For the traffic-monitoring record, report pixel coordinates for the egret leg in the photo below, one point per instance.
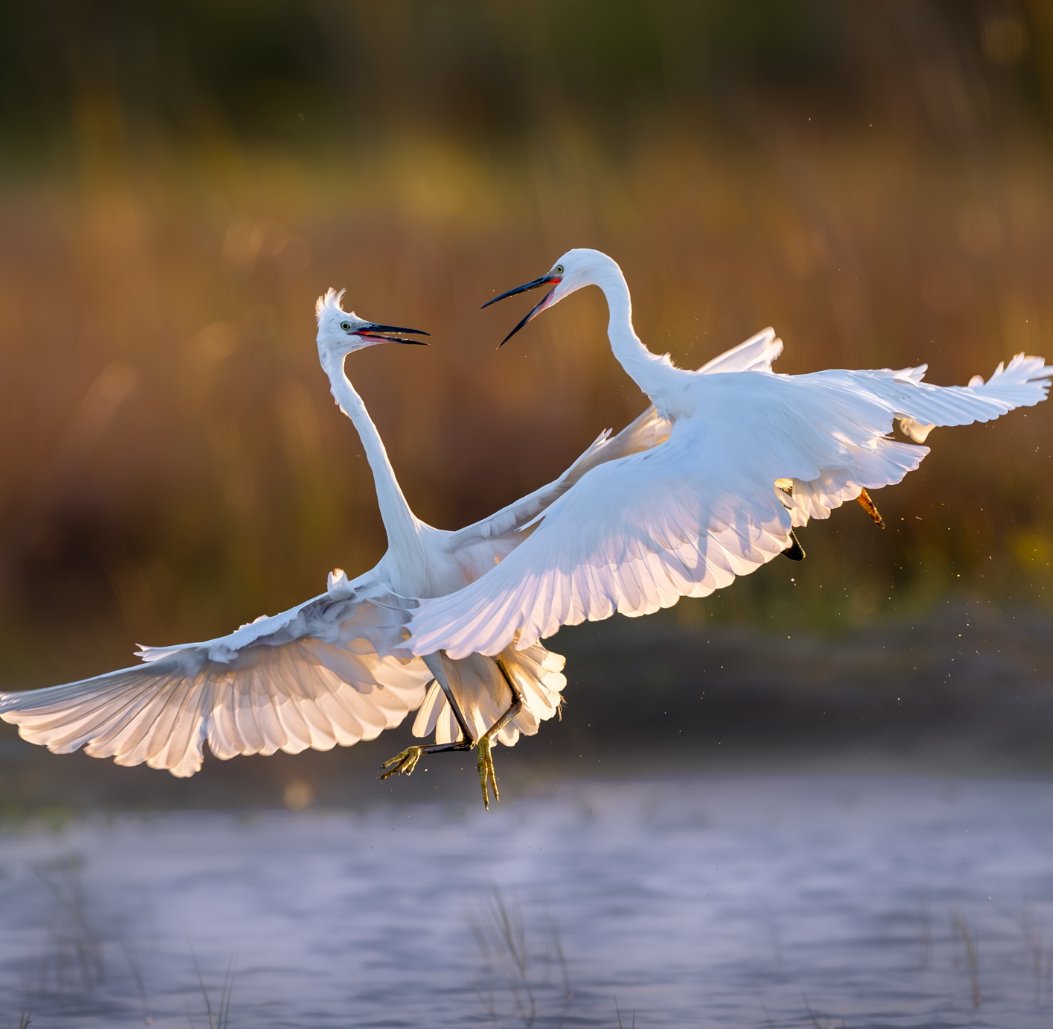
(406, 760)
(487, 776)
(485, 761)
(795, 552)
(870, 507)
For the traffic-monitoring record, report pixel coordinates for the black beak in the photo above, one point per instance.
(545, 280)
(373, 330)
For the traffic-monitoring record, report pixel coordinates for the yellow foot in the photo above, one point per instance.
(870, 507)
(403, 763)
(487, 775)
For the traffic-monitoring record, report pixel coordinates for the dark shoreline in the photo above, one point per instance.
(966, 691)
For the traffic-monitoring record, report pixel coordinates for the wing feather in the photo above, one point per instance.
(316, 676)
(919, 406)
(757, 353)
(717, 498)
(632, 536)
(491, 538)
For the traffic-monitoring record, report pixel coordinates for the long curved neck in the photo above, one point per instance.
(400, 523)
(643, 367)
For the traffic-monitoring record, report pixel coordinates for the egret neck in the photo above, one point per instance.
(653, 373)
(401, 525)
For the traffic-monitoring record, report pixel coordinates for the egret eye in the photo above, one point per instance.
(346, 326)
(558, 270)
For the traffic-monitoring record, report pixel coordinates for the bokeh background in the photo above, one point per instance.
(817, 798)
(179, 183)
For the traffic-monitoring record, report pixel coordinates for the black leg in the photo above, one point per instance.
(795, 552)
(406, 761)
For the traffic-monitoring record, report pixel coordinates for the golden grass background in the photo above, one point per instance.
(873, 181)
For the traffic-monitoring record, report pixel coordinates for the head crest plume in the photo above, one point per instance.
(329, 302)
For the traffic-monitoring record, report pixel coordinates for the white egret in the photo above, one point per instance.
(330, 670)
(745, 456)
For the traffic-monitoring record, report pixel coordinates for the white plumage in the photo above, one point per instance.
(314, 676)
(330, 671)
(737, 456)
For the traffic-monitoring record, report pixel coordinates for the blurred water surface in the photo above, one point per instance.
(717, 900)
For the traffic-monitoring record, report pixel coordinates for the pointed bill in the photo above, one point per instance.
(382, 333)
(545, 280)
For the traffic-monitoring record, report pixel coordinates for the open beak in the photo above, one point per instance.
(381, 333)
(545, 280)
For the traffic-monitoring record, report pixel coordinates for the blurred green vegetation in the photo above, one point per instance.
(180, 181)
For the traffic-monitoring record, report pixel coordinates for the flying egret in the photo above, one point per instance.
(332, 669)
(745, 456)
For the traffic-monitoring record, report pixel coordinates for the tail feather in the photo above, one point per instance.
(483, 695)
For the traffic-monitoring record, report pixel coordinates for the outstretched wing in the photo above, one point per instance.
(633, 535)
(316, 676)
(711, 503)
(504, 529)
(920, 406)
(479, 546)
(870, 399)
(755, 354)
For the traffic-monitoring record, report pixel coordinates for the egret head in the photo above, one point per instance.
(342, 332)
(576, 268)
